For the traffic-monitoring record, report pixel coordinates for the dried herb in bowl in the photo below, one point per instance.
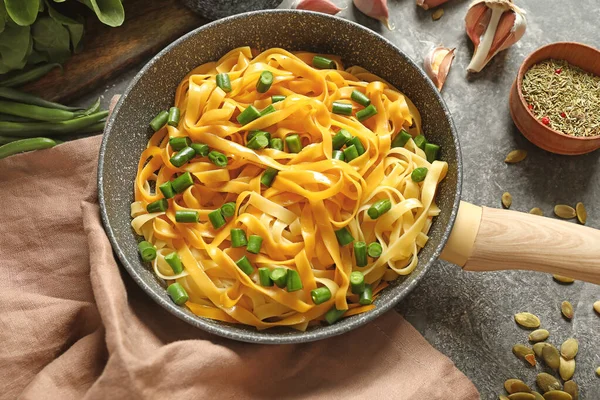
(563, 97)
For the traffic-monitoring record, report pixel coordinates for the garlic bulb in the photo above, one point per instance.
(493, 26)
(437, 65)
(377, 9)
(323, 6)
(427, 4)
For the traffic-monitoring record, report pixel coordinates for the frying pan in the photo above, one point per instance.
(482, 239)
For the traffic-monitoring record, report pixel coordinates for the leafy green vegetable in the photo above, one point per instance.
(74, 27)
(109, 12)
(14, 45)
(3, 16)
(52, 39)
(22, 12)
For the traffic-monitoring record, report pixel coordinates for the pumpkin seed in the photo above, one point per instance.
(506, 200)
(569, 348)
(597, 306)
(515, 156)
(557, 395)
(581, 213)
(572, 388)
(551, 356)
(538, 335)
(564, 211)
(515, 385)
(527, 320)
(437, 14)
(598, 371)
(503, 397)
(547, 382)
(524, 353)
(566, 369)
(563, 279)
(537, 396)
(537, 348)
(536, 211)
(567, 309)
(521, 396)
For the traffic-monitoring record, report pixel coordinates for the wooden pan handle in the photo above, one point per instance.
(489, 239)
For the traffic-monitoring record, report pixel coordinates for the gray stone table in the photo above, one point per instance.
(469, 316)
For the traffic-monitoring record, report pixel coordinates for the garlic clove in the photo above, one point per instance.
(437, 65)
(493, 26)
(427, 4)
(377, 9)
(323, 6)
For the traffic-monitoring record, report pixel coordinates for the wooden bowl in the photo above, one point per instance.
(580, 55)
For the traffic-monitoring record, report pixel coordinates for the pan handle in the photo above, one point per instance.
(489, 239)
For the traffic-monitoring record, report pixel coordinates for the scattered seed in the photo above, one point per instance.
(515, 385)
(536, 211)
(515, 156)
(527, 320)
(563, 279)
(564, 211)
(538, 347)
(551, 356)
(547, 382)
(572, 388)
(598, 371)
(597, 306)
(557, 395)
(567, 309)
(530, 358)
(569, 348)
(437, 14)
(537, 396)
(581, 213)
(522, 351)
(566, 369)
(503, 397)
(538, 335)
(521, 396)
(506, 200)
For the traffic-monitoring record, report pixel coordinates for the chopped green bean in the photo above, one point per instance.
(366, 113)
(431, 151)
(174, 115)
(245, 265)
(357, 282)
(23, 145)
(360, 98)
(418, 174)
(323, 63)
(201, 149)
(177, 293)
(360, 149)
(341, 108)
(360, 253)
(248, 115)
(320, 295)
(147, 251)
(420, 141)
(338, 155)
(264, 276)
(254, 244)
(267, 110)
(158, 206)
(178, 143)
(366, 297)
(217, 158)
(401, 139)
(258, 142)
(350, 153)
(279, 277)
(268, 176)
(264, 82)
(252, 134)
(379, 208)
(294, 282)
(238, 237)
(223, 82)
(182, 182)
(228, 209)
(167, 190)
(276, 143)
(187, 216)
(340, 139)
(159, 121)
(174, 262)
(293, 143)
(216, 219)
(277, 98)
(374, 249)
(333, 315)
(344, 236)
(182, 156)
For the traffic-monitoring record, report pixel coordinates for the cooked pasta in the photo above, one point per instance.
(303, 219)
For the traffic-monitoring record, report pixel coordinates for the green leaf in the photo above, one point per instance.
(75, 27)
(76, 32)
(109, 12)
(14, 45)
(51, 38)
(3, 16)
(23, 12)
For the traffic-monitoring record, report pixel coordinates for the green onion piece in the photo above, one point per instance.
(293, 142)
(276, 143)
(279, 276)
(264, 276)
(360, 254)
(158, 206)
(431, 151)
(360, 149)
(264, 82)
(401, 139)
(182, 182)
(183, 156)
(268, 176)
(174, 115)
(320, 295)
(174, 262)
(254, 244)
(277, 98)
(159, 121)
(350, 153)
(228, 209)
(258, 142)
(201, 149)
(366, 113)
(238, 237)
(218, 158)
(357, 282)
(294, 283)
(167, 190)
(147, 251)
(420, 141)
(186, 216)
(338, 155)
(252, 134)
(248, 115)
(419, 174)
(333, 315)
(360, 98)
(178, 143)
(374, 249)
(177, 293)
(323, 63)
(340, 139)
(379, 208)
(366, 297)
(216, 219)
(344, 236)
(341, 108)
(223, 82)
(245, 265)
(267, 110)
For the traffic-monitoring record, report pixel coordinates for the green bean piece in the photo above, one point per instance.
(341, 108)
(187, 216)
(360, 149)
(178, 143)
(420, 141)
(419, 174)
(182, 182)
(159, 121)
(22, 97)
(294, 283)
(357, 282)
(279, 277)
(258, 142)
(30, 75)
(374, 249)
(23, 145)
(147, 251)
(167, 190)
(277, 98)
(238, 237)
(366, 113)
(217, 158)
(177, 293)
(268, 176)
(379, 208)
(360, 98)
(360, 254)
(401, 139)
(29, 129)
(223, 82)
(94, 108)
(366, 297)
(293, 143)
(267, 110)
(338, 155)
(431, 152)
(264, 82)
(201, 149)
(228, 209)
(254, 244)
(158, 206)
(350, 153)
(35, 112)
(276, 143)
(93, 128)
(320, 295)
(14, 118)
(174, 262)
(174, 114)
(216, 219)
(182, 156)
(323, 63)
(340, 139)
(264, 276)
(254, 133)
(248, 115)
(333, 315)
(245, 265)
(344, 236)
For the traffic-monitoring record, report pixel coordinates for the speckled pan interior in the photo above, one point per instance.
(153, 90)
